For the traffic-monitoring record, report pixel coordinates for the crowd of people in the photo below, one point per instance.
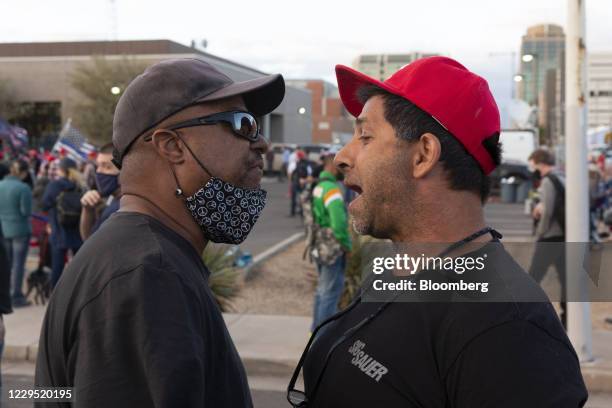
(53, 202)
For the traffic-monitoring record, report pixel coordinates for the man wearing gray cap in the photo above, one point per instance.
(132, 322)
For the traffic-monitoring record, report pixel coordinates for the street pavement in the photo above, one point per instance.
(510, 220)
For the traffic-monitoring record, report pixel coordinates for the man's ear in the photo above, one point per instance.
(427, 151)
(168, 146)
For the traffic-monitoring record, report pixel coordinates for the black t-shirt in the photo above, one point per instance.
(133, 323)
(450, 354)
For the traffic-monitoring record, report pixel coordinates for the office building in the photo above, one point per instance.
(600, 89)
(331, 123)
(382, 66)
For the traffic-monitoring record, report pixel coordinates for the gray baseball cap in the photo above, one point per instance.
(170, 86)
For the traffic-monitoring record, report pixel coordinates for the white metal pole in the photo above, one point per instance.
(577, 195)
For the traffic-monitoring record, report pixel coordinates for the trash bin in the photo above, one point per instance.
(522, 191)
(508, 190)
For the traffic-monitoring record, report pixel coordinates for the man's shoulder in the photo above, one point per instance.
(129, 240)
(513, 296)
(126, 248)
(123, 243)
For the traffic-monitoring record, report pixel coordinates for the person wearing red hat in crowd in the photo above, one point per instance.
(425, 141)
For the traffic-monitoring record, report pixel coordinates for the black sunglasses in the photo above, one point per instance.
(242, 123)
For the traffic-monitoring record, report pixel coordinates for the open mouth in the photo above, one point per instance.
(354, 187)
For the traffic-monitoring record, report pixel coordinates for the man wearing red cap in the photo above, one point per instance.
(425, 141)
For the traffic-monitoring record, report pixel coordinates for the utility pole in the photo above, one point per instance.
(576, 190)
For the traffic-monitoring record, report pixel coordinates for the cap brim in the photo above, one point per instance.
(349, 82)
(261, 95)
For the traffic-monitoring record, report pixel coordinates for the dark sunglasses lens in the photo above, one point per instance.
(246, 126)
(297, 398)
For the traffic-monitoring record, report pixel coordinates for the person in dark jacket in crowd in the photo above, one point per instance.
(63, 237)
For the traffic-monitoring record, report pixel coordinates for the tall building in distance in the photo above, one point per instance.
(542, 69)
(382, 66)
(331, 123)
(600, 89)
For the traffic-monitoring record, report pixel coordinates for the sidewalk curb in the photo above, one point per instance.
(20, 353)
(270, 252)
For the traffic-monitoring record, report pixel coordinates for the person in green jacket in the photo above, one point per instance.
(15, 214)
(332, 241)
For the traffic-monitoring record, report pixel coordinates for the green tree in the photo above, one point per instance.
(95, 80)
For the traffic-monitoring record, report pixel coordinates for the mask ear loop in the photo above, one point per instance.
(179, 190)
(179, 193)
(192, 155)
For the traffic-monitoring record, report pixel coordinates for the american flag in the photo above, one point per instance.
(16, 136)
(74, 143)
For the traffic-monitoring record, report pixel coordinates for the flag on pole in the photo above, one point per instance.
(73, 143)
(16, 137)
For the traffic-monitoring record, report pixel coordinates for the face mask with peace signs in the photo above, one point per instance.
(224, 212)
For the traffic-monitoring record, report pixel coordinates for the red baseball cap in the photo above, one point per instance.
(455, 97)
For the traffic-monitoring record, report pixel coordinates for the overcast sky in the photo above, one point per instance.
(307, 38)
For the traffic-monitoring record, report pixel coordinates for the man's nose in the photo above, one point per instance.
(261, 145)
(343, 160)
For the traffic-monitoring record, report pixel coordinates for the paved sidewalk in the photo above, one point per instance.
(271, 345)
